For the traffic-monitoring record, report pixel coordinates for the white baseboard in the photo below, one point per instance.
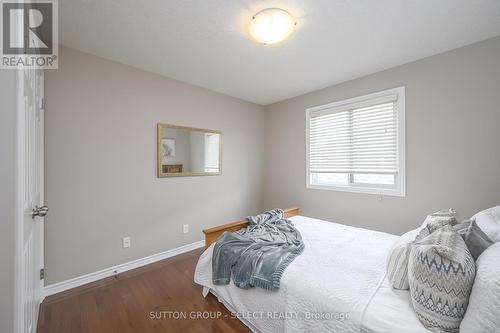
(107, 272)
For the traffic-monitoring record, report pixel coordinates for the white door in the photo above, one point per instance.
(30, 197)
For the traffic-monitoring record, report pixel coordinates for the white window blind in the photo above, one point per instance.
(357, 141)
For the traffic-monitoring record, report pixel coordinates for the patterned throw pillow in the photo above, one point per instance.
(440, 219)
(441, 273)
(397, 260)
(477, 241)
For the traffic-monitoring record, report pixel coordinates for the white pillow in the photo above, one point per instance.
(484, 302)
(397, 260)
(489, 221)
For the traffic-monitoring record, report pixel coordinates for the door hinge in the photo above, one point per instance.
(42, 273)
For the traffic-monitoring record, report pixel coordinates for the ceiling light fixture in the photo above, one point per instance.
(271, 26)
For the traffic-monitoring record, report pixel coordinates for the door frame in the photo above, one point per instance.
(19, 209)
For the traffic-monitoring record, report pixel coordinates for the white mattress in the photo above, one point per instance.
(337, 284)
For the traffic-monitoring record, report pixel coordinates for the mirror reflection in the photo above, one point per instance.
(187, 151)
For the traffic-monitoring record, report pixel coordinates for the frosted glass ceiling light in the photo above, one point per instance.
(272, 25)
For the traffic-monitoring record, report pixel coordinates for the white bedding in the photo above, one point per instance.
(337, 284)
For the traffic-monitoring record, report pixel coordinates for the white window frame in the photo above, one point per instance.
(399, 189)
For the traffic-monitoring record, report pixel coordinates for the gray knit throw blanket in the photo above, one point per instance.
(258, 255)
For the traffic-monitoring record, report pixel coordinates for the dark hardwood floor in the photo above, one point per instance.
(127, 302)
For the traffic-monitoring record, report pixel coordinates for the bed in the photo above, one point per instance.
(337, 284)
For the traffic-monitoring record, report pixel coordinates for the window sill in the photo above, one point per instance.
(364, 190)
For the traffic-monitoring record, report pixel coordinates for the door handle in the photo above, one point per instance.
(40, 211)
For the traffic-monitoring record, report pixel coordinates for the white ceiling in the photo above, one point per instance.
(205, 43)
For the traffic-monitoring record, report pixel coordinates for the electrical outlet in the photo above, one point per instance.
(126, 242)
(185, 228)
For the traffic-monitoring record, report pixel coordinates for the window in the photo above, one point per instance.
(212, 152)
(358, 145)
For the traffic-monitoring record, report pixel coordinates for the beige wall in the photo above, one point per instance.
(101, 185)
(101, 180)
(7, 197)
(452, 142)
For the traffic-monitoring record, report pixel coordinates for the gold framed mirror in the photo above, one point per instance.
(187, 151)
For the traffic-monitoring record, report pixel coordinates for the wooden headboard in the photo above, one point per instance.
(212, 234)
